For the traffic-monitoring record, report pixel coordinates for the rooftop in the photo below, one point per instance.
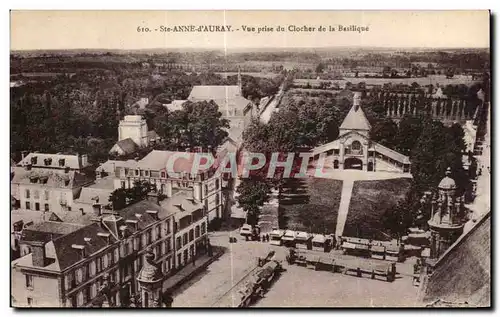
(58, 160)
(127, 145)
(158, 160)
(50, 178)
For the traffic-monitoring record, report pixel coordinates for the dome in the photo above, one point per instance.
(150, 271)
(447, 182)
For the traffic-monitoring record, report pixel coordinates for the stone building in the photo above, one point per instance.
(204, 186)
(70, 265)
(354, 149)
(447, 216)
(49, 182)
(133, 133)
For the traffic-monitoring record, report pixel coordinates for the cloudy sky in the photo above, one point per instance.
(118, 29)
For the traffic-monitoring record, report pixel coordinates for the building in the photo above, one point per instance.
(447, 216)
(49, 182)
(204, 186)
(133, 133)
(354, 149)
(190, 227)
(68, 270)
(70, 264)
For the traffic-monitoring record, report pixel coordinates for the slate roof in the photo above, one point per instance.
(157, 160)
(110, 165)
(127, 145)
(66, 256)
(355, 120)
(182, 201)
(48, 230)
(228, 98)
(70, 161)
(463, 273)
(53, 178)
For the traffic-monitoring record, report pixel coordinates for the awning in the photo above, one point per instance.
(348, 245)
(377, 248)
(319, 238)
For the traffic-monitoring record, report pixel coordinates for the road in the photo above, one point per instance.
(214, 287)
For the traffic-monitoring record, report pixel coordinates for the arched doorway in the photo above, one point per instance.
(353, 163)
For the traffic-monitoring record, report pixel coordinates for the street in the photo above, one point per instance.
(219, 285)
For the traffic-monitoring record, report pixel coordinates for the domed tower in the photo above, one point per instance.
(150, 280)
(446, 223)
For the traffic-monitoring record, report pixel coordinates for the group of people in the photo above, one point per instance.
(264, 238)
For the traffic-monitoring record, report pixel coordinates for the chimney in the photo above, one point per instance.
(133, 222)
(154, 198)
(123, 231)
(84, 160)
(105, 235)
(39, 256)
(81, 249)
(153, 213)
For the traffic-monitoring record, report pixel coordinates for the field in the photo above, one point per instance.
(255, 74)
(310, 205)
(369, 202)
(432, 79)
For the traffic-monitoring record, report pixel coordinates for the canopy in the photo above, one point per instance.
(319, 238)
(348, 245)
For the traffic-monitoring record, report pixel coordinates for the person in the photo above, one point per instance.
(267, 237)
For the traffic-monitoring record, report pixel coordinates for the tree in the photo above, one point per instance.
(384, 132)
(320, 68)
(409, 131)
(118, 199)
(253, 193)
(198, 124)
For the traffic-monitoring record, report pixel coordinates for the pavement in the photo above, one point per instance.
(345, 200)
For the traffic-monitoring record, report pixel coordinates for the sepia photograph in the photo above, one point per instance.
(250, 159)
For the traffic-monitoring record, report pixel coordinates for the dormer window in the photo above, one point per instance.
(163, 174)
(146, 173)
(47, 161)
(136, 172)
(34, 159)
(61, 162)
(66, 182)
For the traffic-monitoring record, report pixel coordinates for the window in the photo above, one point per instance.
(27, 193)
(123, 184)
(117, 255)
(217, 200)
(30, 301)
(206, 189)
(46, 195)
(93, 290)
(216, 184)
(168, 226)
(163, 174)
(117, 276)
(136, 244)
(37, 206)
(105, 261)
(36, 194)
(136, 172)
(191, 235)
(197, 232)
(158, 232)
(46, 207)
(69, 281)
(168, 245)
(178, 244)
(130, 245)
(203, 228)
(79, 299)
(146, 173)
(99, 264)
(28, 205)
(79, 276)
(185, 239)
(29, 281)
(356, 145)
(163, 247)
(92, 268)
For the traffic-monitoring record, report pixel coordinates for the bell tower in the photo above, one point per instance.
(150, 280)
(447, 216)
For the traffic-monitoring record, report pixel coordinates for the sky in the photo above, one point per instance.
(119, 29)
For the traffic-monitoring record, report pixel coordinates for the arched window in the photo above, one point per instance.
(356, 145)
(79, 299)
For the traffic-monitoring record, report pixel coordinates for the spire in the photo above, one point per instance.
(356, 118)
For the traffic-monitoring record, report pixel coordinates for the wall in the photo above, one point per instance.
(45, 291)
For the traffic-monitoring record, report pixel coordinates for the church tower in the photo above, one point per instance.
(447, 216)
